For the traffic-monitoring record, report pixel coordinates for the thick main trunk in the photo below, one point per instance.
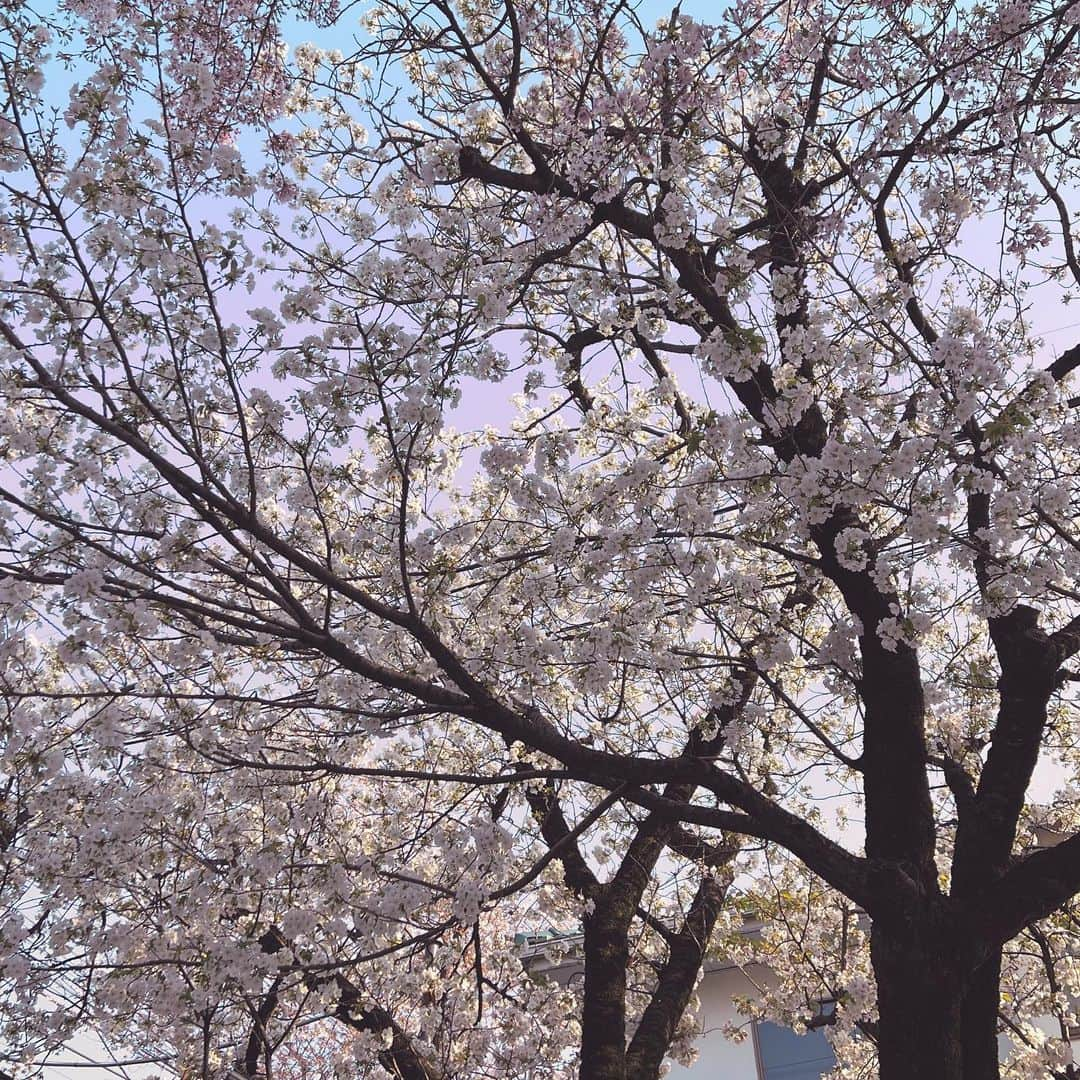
(920, 1006)
(980, 1020)
(603, 1016)
(937, 1004)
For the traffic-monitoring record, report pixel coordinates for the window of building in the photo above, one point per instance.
(783, 1055)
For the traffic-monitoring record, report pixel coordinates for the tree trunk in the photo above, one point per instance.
(980, 1020)
(920, 1005)
(603, 1016)
(675, 984)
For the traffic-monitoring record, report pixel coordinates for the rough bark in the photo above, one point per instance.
(607, 948)
(980, 1020)
(920, 1021)
(938, 996)
(603, 1011)
(986, 829)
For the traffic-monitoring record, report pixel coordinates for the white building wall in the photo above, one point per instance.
(719, 1056)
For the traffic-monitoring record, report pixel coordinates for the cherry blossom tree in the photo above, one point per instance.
(224, 849)
(768, 538)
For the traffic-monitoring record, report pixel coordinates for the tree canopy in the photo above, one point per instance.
(529, 465)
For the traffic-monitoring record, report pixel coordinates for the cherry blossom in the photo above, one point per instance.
(527, 468)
